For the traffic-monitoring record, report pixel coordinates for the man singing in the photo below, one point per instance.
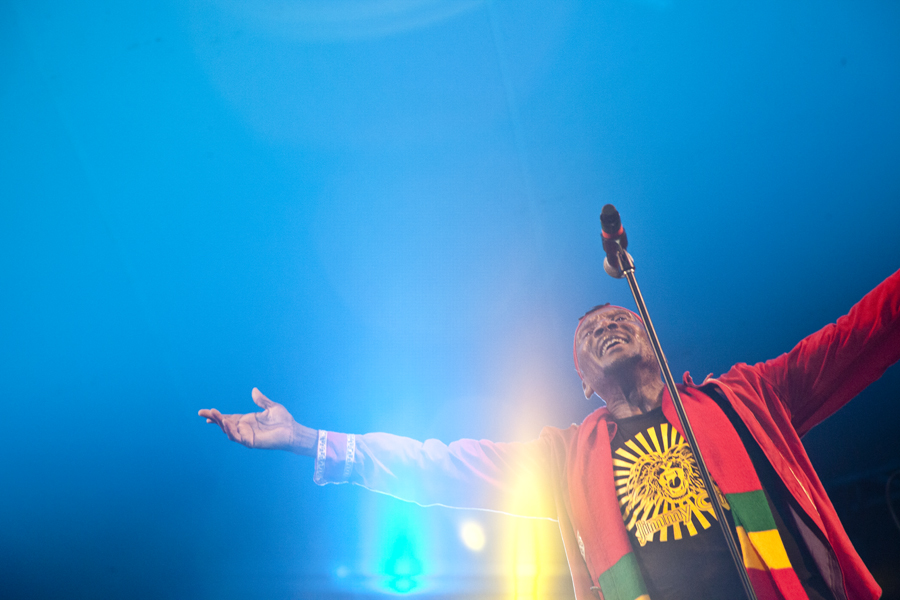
(635, 517)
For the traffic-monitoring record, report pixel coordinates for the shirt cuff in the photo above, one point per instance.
(335, 455)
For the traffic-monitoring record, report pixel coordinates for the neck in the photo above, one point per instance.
(635, 397)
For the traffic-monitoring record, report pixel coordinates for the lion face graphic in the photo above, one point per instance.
(665, 476)
(660, 487)
(673, 481)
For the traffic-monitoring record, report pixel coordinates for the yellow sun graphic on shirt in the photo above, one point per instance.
(659, 486)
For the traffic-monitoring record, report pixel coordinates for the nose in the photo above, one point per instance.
(611, 325)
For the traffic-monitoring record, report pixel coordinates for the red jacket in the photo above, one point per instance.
(779, 400)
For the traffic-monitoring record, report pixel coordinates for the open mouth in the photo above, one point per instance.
(611, 343)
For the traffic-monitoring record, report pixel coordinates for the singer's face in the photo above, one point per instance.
(611, 340)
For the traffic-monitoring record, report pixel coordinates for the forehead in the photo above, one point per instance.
(603, 313)
(607, 312)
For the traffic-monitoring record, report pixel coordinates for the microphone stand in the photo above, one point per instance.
(626, 268)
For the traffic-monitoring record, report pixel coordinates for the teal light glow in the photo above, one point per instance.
(401, 569)
(397, 548)
(402, 566)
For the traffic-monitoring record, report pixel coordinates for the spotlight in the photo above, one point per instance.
(472, 535)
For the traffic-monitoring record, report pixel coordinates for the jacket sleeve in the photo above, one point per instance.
(506, 477)
(828, 368)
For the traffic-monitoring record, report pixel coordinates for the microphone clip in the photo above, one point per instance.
(615, 270)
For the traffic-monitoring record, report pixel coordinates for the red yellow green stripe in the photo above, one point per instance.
(751, 509)
(623, 581)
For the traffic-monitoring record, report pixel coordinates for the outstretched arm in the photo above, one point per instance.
(507, 477)
(273, 429)
(513, 477)
(828, 368)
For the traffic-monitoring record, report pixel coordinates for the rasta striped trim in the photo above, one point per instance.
(765, 558)
(623, 580)
(761, 543)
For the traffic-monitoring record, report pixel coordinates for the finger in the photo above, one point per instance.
(260, 399)
(228, 423)
(204, 412)
(215, 415)
(223, 421)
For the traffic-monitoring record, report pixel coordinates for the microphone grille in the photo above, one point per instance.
(610, 221)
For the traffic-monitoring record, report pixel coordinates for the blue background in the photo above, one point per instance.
(383, 214)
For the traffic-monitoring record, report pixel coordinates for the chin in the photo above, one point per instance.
(621, 359)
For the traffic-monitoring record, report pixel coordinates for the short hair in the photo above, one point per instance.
(596, 308)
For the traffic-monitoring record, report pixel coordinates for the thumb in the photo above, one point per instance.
(260, 400)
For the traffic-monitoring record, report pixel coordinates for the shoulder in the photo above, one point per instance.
(561, 441)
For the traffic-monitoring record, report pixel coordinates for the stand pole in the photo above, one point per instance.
(626, 264)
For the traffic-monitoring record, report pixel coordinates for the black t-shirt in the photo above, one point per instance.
(670, 520)
(668, 514)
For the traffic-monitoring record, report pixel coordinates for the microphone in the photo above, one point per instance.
(614, 240)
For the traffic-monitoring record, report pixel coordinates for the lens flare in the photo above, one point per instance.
(472, 535)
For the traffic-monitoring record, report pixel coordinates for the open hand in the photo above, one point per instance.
(274, 428)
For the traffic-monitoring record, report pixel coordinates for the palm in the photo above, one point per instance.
(270, 429)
